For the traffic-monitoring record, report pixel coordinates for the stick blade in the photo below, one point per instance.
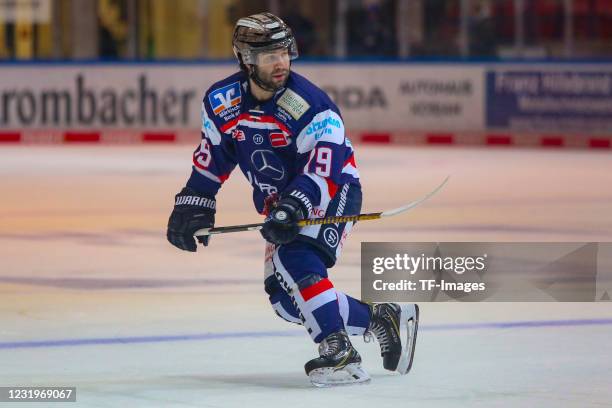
(413, 204)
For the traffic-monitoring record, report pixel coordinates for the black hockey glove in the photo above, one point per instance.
(280, 227)
(192, 211)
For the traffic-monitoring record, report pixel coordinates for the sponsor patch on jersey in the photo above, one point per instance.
(224, 98)
(266, 163)
(293, 103)
(238, 135)
(278, 139)
(323, 127)
(283, 116)
(258, 139)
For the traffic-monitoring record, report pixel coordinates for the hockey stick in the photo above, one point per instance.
(326, 220)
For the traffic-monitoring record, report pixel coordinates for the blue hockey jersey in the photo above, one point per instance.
(294, 142)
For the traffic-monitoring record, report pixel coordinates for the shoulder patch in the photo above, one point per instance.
(293, 103)
(224, 98)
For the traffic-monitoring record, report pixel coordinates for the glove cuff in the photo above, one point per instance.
(299, 200)
(192, 198)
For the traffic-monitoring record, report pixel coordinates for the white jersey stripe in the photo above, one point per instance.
(350, 169)
(255, 125)
(209, 128)
(278, 307)
(207, 174)
(343, 306)
(321, 299)
(322, 184)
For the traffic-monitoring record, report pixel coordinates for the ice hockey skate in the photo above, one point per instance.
(338, 363)
(395, 327)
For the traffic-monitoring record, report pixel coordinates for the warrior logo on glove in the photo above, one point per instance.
(191, 212)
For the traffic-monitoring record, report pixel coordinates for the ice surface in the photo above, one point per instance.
(92, 296)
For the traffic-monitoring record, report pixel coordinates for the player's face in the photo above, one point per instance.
(273, 67)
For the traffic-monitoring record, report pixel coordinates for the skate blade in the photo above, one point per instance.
(409, 324)
(330, 377)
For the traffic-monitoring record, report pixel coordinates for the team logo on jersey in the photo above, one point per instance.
(330, 235)
(266, 163)
(238, 135)
(224, 98)
(279, 140)
(258, 139)
(293, 103)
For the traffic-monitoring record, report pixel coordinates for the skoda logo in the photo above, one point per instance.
(258, 139)
(330, 236)
(266, 163)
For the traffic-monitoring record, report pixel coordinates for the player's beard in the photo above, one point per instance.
(271, 83)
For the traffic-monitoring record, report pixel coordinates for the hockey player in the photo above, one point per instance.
(287, 137)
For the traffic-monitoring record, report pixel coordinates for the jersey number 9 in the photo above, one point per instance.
(323, 161)
(203, 156)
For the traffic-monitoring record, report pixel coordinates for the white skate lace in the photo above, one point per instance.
(328, 347)
(322, 348)
(378, 330)
(381, 335)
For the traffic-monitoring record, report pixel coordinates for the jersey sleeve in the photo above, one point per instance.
(214, 159)
(325, 159)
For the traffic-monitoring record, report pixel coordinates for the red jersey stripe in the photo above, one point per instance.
(350, 160)
(261, 119)
(331, 187)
